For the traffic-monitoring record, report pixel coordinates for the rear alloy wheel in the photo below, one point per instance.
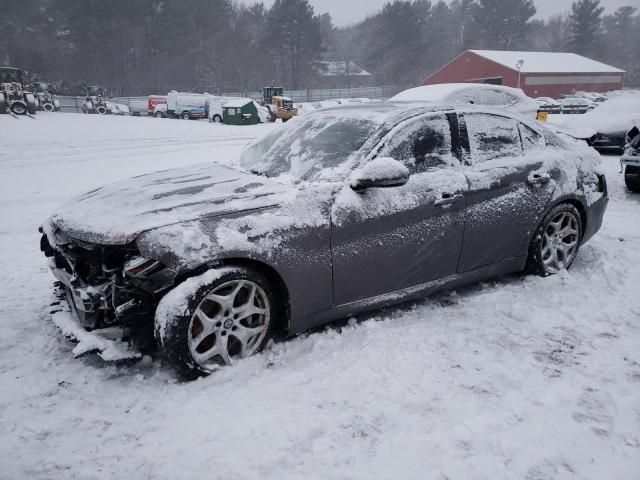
(557, 241)
(225, 321)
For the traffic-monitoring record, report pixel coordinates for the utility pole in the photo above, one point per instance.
(519, 66)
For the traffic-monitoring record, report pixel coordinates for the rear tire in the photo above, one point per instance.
(217, 118)
(556, 242)
(3, 104)
(18, 108)
(159, 115)
(32, 108)
(185, 116)
(203, 325)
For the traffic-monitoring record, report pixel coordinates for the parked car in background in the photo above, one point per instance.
(576, 105)
(116, 108)
(139, 108)
(549, 105)
(593, 96)
(630, 160)
(299, 233)
(160, 110)
(512, 99)
(610, 121)
(213, 108)
(187, 106)
(153, 101)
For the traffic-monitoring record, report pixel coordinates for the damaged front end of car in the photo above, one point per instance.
(107, 287)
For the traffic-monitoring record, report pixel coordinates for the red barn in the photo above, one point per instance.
(539, 74)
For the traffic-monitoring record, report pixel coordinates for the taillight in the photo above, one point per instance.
(602, 184)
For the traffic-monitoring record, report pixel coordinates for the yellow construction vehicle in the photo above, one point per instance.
(279, 106)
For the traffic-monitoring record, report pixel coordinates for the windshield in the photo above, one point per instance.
(41, 87)
(10, 75)
(94, 91)
(312, 149)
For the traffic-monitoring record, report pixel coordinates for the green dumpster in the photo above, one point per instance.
(240, 111)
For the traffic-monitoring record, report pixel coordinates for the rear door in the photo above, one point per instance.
(388, 239)
(508, 188)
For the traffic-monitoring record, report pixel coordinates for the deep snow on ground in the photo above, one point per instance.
(514, 378)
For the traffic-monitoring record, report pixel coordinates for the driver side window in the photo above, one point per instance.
(422, 145)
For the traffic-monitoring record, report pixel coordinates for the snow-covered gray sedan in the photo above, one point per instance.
(341, 211)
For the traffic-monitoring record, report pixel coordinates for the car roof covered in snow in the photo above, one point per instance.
(442, 92)
(547, 62)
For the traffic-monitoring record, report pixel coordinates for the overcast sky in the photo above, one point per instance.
(345, 12)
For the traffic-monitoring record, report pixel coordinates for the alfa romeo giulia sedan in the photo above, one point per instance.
(344, 210)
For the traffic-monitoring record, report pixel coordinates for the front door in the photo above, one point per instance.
(387, 240)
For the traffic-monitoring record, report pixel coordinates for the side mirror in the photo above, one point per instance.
(383, 172)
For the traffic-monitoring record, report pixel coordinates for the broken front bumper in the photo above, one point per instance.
(83, 301)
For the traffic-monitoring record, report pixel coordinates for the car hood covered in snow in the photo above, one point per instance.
(119, 212)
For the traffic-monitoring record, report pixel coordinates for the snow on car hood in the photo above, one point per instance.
(119, 212)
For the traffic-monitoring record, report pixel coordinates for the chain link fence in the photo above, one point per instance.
(74, 104)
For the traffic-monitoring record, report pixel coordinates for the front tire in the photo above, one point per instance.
(214, 320)
(556, 242)
(186, 116)
(18, 108)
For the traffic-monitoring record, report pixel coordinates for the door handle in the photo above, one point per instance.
(449, 199)
(539, 179)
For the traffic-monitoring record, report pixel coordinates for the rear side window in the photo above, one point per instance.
(492, 136)
(421, 145)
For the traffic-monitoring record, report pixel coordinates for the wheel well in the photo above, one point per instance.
(273, 277)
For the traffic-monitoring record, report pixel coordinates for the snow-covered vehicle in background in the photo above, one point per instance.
(187, 106)
(153, 105)
(160, 110)
(139, 108)
(549, 105)
(576, 105)
(609, 122)
(45, 98)
(215, 260)
(114, 108)
(14, 97)
(153, 101)
(95, 101)
(213, 108)
(630, 160)
(511, 99)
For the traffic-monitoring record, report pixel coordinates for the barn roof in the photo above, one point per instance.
(547, 62)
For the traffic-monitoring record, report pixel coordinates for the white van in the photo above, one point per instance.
(186, 105)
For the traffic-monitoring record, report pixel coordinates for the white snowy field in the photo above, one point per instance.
(515, 378)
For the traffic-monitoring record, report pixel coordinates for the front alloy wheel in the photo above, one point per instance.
(557, 241)
(230, 323)
(213, 320)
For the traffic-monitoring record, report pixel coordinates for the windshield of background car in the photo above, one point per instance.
(42, 87)
(316, 148)
(10, 76)
(94, 91)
